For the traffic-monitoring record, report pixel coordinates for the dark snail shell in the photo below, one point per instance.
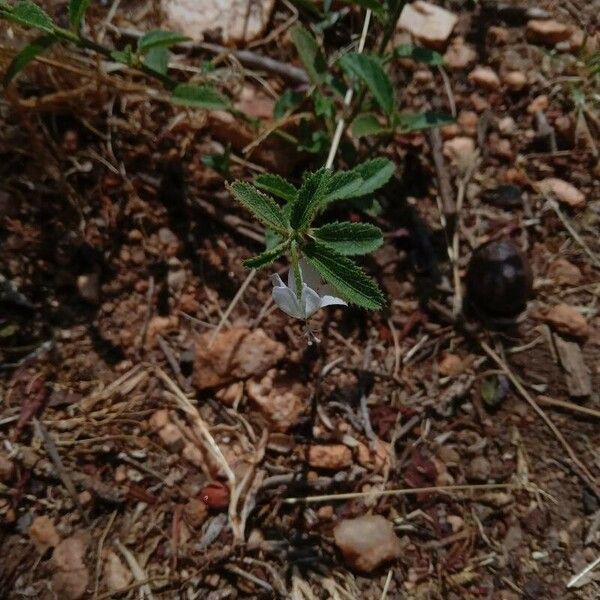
(499, 280)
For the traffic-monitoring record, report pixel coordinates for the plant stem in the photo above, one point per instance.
(89, 44)
(339, 130)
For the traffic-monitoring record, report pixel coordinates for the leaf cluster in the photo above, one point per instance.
(289, 213)
(151, 56)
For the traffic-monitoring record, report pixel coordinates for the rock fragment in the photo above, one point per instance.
(329, 456)
(367, 542)
(430, 24)
(235, 354)
(236, 21)
(564, 192)
(281, 401)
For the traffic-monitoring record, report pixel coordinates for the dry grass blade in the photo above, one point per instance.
(582, 470)
(443, 489)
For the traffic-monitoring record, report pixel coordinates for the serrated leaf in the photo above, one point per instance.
(310, 54)
(159, 39)
(310, 197)
(368, 124)
(413, 122)
(375, 173)
(157, 59)
(344, 275)
(23, 58)
(266, 258)
(369, 70)
(77, 10)
(343, 185)
(350, 238)
(419, 54)
(264, 208)
(199, 97)
(31, 15)
(276, 186)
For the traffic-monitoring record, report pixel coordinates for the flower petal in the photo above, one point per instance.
(287, 302)
(328, 300)
(311, 301)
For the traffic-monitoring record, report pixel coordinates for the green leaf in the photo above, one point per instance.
(310, 197)
(264, 208)
(276, 186)
(310, 54)
(31, 15)
(350, 238)
(369, 70)
(123, 56)
(77, 10)
(23, 58)
(363, 180)
(419, 54)
(289, 100)
(343, 185)
(219, 162)
(407, 122)
(266, 258)
(345, 276)
(159, 39)
(370, 4)
(375, 173)
(368, 124)
(157, 59)
(272, 239)
(324, 105)
(199, 97)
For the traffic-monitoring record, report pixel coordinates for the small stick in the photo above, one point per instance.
(572, 230)
(52, 452)
(386, 586)
(101, 541)
(581, 469)
(584, 410)
(232, 305)
(402, 492)
(136, 570)
(445, 188)
(581, 574)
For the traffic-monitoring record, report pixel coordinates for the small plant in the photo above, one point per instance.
(150, 57)
(325, 249)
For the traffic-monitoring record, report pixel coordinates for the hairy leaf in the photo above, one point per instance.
(375, 173)
(343, 185)
(277, 186)
(361, 181)
(199, 97)
(266, 258)
(345, 276)
(264, 208)
(159, 39)
(31, 15)
(419, 54)
(23, 58)
(350, 238)
(310, 54)
(369, 70)
(310, 197)
(77, 10)
(413, 122)
(368, 124)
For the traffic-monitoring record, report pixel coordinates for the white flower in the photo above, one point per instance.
(315, 295)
